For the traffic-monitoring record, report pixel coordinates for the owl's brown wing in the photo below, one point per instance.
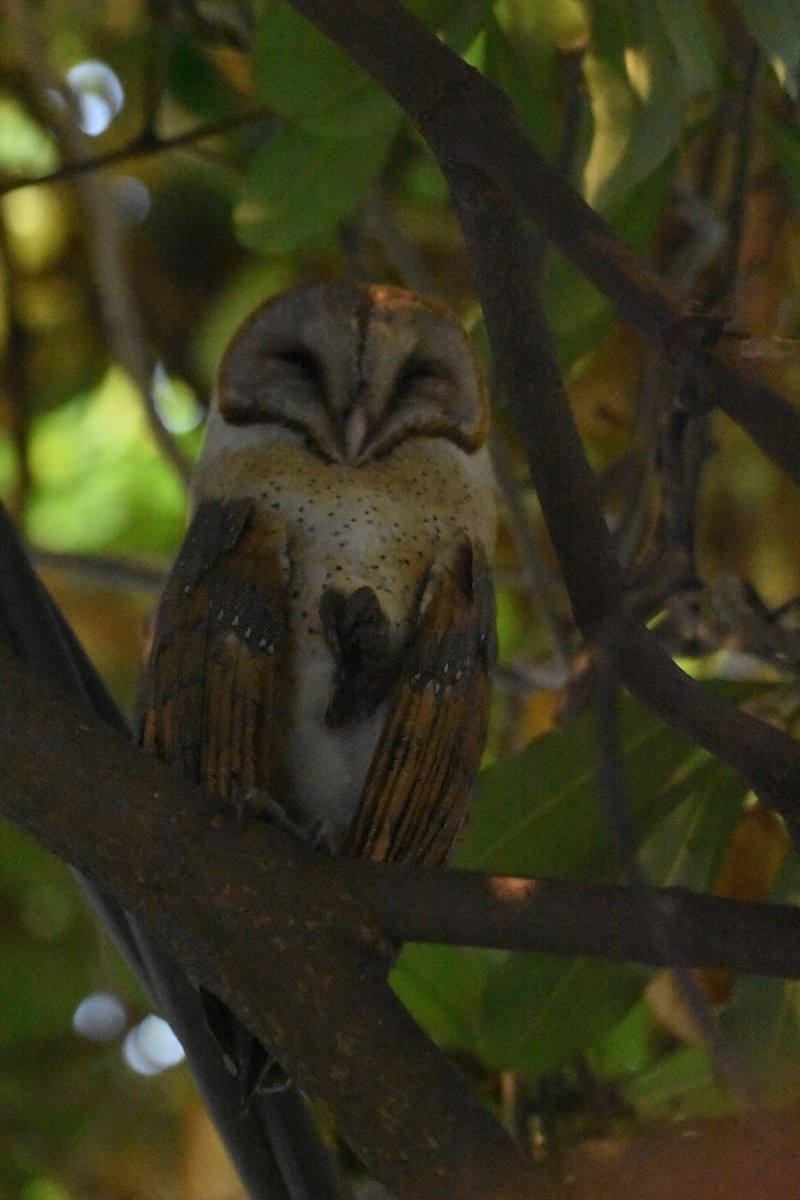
(209, 697)
(420, 782)
(214, 695)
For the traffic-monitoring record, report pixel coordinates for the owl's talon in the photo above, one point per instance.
(323, 836)
(316, 834)
(252, 803)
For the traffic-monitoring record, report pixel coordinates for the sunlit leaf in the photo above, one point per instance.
(561, 24)
(99, 480)
(775, 26)
(36, 226)
(24, 146)
(638, 102)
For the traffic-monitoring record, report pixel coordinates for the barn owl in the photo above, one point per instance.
(325, 639)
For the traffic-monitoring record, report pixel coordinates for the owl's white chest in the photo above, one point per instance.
(344, 527)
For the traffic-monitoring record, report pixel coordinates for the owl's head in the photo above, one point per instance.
(351, 371)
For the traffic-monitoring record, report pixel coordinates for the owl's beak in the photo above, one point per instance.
(354, 431)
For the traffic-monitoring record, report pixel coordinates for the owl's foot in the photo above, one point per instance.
(319, 835)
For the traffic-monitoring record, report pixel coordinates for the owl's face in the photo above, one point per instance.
(349, 372)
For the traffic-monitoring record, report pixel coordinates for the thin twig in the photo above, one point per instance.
(123, 575)
(144, 145)
(743, 132)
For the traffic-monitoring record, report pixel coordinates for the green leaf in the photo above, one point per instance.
(531, 90)
(442, 987)
(631, 1046)
(46, 969)
(787, 139)
(775, 25)
(539, 814)
(761, 1021)
(308, 80)
(695, 43)
(99, 480)
(340, 125)
(530, 807)
(555, 24)
(464, 23)
(23, 145)
(579, 314)
(762, 1017)
(299, 187)
(680, 1085)
(686, 849)
(298, 70)
(541, 1010)
(196, 82)
(430, 12)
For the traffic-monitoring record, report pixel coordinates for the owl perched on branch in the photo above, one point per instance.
(325, 640)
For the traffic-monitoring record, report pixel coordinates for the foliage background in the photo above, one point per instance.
(690, 145)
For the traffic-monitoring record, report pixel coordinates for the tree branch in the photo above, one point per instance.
(143, 145)
(293, 941)
(241, 909)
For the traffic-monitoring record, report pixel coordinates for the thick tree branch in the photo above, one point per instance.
(290, 938)
(83, 816)
(226, 901)
(465, 908)
(526, 365)
(241, 910)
